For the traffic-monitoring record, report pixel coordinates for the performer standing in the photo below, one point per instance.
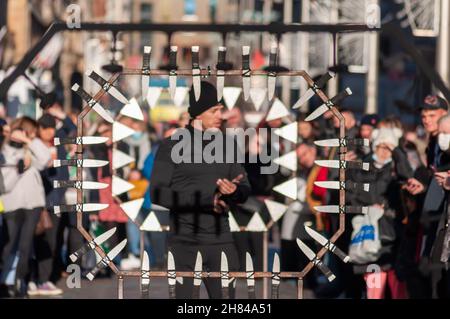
(198, 192)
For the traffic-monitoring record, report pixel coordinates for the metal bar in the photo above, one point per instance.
(204, 72)
(120, 288)
(300, 288)
(235, 274)
(265, 264)
(342, 152)
(274, 28)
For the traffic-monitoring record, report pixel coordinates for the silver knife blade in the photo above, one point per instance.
(249, 270)
(272, 76)
(96, 242)
(116, 250)
(108, 87)
(145, 275)
(173, 71)
(329, 104)
(196, 72)
(313, 90)
(80, 163)
(145, 79)
(338, 185)
(335, 209)
(118, 95)
(323, 241)
(335, 142)
(306, 250)
(220, 75)
(224, 270)
(246, 73)
(304, 98)
(276, 270)
(88, 185)
(171, 274)
(198, 270)
(102, 112)
(317, 112)
(340, 164)
(317, 262)
(83, 207)
(80, 140)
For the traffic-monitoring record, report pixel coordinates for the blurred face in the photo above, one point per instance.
(366, 131)
(430, 120)
(47, 134)
(383, 152)
(306, 155)
(211, 118)
(305, 129)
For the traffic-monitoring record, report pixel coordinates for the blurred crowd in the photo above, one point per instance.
(407, 217)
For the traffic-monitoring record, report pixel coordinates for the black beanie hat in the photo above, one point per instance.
(47, 121)
(208, 99)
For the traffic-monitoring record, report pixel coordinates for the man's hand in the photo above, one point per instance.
(414, 187)
(350, 156)
(19, 136)
(443, 179)
(226, 187)
(55, 111)
(219, 205)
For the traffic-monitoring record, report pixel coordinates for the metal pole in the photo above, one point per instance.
(120, 287)
(333, 84)
(265, 264)
(287, 43)
(443, 45)
(300, 288)
(304, 49)
(372, 72)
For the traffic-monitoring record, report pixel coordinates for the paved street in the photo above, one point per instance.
(106, 288)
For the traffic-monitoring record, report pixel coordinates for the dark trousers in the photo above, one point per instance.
(20, 226)
(185, 255)
(251, 242)
(45, 250)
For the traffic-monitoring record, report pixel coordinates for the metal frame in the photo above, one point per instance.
(264, 274)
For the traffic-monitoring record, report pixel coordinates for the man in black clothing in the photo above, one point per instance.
(198, 192)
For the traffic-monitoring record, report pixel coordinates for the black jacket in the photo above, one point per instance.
(188, 189)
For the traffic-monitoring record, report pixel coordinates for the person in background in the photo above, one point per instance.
(22, 208)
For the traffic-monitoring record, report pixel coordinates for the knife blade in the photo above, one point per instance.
(317, 262)
(342, 185)
(250, 272)
(328, 105)
(79, 208)
(106, 260)
(225, 278)
(197, 276)
(86, 185)
(343, 164)
(327, 244)
(196, 72)
(107, 87)
(246, 72)
(271, 75)
(80, 163)
(145, 79)
(92, 103)
(314, 89)
(344, 142)
(173, 71)
(79, 140)
(92, 244)
(275, 276)
(220, 75)
(145, 276)
(336, 209)
(171, 275)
